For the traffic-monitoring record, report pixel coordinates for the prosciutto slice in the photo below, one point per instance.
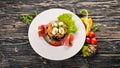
(42, 30)
(67, 41)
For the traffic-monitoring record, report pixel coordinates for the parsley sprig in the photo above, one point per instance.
(28, 18)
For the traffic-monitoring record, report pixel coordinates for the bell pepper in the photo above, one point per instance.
(86, 21)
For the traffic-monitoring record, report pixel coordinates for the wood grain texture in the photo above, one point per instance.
(15, 49)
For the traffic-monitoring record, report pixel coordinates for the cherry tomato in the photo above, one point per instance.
(91, 34)
(88, 40)
(55, 43)
(93, 41)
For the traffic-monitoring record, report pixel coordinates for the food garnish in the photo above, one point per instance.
(90, 47)
(28, 18)
(86, 21)
(70, 23)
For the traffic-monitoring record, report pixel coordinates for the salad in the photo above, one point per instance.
(59, 32)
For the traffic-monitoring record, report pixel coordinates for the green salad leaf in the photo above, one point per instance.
(67, 19)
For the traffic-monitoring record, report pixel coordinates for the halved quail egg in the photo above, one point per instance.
(61, 30)
(54, 25)
(60, 23)
(54, 31)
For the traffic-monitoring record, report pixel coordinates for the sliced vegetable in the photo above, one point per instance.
(55, 43)
(52, 42)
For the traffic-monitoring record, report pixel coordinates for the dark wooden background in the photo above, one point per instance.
(15, 49)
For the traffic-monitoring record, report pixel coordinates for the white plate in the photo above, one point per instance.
(51, 52)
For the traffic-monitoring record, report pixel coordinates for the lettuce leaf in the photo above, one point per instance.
(70, 23)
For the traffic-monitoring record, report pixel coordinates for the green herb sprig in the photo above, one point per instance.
(28, 18)
(95, 28)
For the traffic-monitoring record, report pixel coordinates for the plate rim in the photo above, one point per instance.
(56, 59)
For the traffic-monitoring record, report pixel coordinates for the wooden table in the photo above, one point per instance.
(15, 49)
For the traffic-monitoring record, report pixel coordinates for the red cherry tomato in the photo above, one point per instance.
(91, 34)
(88, 40)
(55, 43)
(93, 41)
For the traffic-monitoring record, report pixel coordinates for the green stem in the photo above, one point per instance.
(86, 12)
